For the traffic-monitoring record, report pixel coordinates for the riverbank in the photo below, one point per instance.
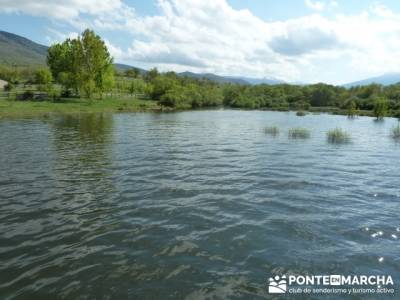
(27, 109)
(22, 109)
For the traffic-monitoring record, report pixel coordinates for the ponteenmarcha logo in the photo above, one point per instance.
(277, 285)
(336, 284)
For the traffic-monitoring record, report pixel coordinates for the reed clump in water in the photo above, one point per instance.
(272, 130)
(338, 136)
(299, 133)
(396, 132)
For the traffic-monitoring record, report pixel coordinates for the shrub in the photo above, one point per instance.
(66, 93)
(351, 109)
(396, 132)
(299, 133)
(380, 108)
(300, 113)
(274, 131)
(8, 87)
(27, 95)
(396, 114)
(338, 136)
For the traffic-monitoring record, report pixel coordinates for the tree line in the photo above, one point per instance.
(83, 67)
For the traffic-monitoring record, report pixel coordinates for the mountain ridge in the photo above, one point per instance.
(384, 79)
(20, 51)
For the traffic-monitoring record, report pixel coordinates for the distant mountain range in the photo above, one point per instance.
(123, 67)
(385, 79)
(213, 77)
(16, 50)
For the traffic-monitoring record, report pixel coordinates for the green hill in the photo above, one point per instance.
(19, 51)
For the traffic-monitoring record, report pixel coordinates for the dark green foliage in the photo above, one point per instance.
(174, 91)
(179, 92)
(396, 114)
(323, 95)
(351, 109)
(17, 74)
(82, 64)
(43, 76)
(380, 108)
(191, 95)
(9, 87)
(27, 95)
(151, 75)
(132, 72)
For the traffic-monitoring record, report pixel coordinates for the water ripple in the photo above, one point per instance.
(191, 205)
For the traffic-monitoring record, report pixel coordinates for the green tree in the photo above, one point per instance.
(136, 86)
(97, 71)
(83, 64)
(152, 74)
(351, 109)
(380, 108)
(160, 85)
(44, 79)
(64, 63)
(132, 72)
(323, 95)
(8, 87)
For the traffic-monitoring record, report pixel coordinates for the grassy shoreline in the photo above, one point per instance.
(24, 109)
(31, 109)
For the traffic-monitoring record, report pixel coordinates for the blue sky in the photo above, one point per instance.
(333, 41)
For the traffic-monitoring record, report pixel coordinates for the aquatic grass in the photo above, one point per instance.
(338, 136)
(273, 130)
(396, 132)
(299, 133)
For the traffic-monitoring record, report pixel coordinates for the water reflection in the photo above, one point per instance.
(84, 189)
(83, 146)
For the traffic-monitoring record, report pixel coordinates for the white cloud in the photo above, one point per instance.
(305, 35)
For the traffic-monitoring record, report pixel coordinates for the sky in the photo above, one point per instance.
(309, 41)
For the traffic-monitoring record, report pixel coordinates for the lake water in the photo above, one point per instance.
(193, 205)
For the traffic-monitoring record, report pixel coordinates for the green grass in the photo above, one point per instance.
(10, 108)
(338, 136)
(273, 130)
(396, 132)
(299, 133)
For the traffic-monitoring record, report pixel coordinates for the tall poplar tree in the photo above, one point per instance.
(82, 64)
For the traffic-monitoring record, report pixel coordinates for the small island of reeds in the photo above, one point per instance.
(299, 133)
(338, 136)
